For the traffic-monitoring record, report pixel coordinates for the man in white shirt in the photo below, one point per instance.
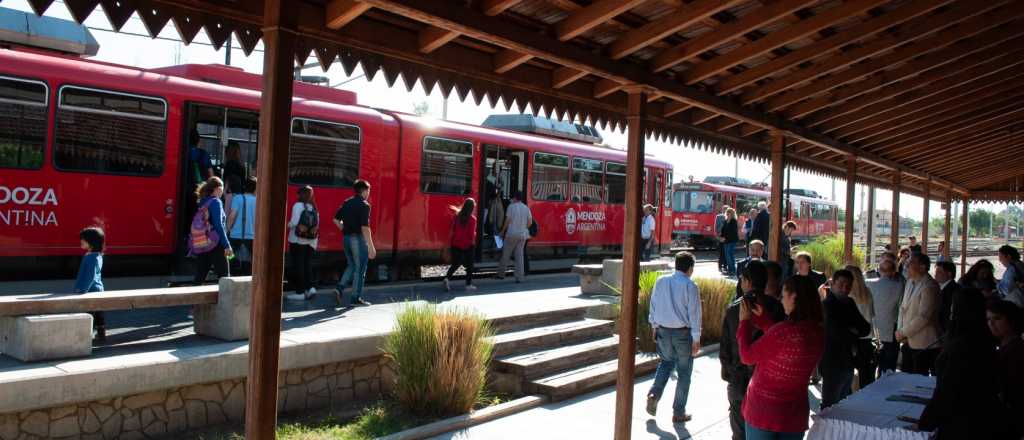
(515, 232)
(647, 233)
(675, 316)
(886, 293)
(917, 327)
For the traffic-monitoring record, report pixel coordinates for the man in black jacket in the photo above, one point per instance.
(756, 249)
(762, 224)
(843, 326)
(945, 275)
(753, 280)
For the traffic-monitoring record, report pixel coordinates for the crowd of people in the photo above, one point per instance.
(783, 331)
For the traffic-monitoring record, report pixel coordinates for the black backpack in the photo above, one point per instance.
(309, 223)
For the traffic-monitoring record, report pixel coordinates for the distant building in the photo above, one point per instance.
(883, 223)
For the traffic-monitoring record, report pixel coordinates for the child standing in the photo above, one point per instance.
(90, 273)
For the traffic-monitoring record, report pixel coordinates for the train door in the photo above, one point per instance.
(504, 171)
(220, 130)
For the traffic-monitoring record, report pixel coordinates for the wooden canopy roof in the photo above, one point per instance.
(928, 89)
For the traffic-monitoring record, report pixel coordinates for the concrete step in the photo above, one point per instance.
(551, 336)
(571, 383)
(508, 324)
(544, 362)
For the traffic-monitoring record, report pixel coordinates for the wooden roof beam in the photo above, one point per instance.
(591, 16)
(999, 116)
(939, 154)
(923, 71)
(341, 12)
(433, 37)
(604, 87)
(826, 45)
(997, 195)
(472, 23)
(683, 17)
(495, 7)
(726, 32)
(700, 116)
(961, 86)
(726, 123)
(672, 108)
(912, 31)
(932, 128)
(948, 112)
(771, 41)
(1008, 168)
(563, 76)
(941, 49)
(508, 59)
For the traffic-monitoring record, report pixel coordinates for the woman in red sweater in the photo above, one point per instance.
(463, 238)
(776, 403)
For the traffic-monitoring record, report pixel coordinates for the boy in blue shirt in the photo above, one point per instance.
(90, 273)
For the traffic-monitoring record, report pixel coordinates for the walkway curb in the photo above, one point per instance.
(472, 419)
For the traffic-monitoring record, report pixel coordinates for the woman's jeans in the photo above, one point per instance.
(730, 256)
(760, 434)
(356, 259)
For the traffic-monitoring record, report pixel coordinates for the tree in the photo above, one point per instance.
(980, 220)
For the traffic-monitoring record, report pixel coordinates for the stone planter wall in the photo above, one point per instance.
(159, 413)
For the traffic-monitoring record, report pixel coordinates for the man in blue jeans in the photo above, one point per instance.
(675, 315)
(353, 218)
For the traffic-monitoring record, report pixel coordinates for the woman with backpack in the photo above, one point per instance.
(463, 237)
(207, 240)
(303, 231)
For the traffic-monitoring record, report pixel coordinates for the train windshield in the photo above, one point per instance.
(701, 202)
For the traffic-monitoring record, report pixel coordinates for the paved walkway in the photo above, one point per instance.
(592, 416)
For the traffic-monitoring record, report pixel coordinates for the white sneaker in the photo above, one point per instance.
(295, 296)
(470, 287)
(309, 293)
(447, 286)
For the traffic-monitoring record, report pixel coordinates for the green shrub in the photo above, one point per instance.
(643, 326)
(715, 296)
(827, 254)
(440, 359)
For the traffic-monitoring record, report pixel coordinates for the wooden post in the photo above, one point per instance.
(851, 189)
(894, 228)
(964, 232)
(279, 39)
(946, 233)
(775, 210)
(925, 214)
(870, 248)
(635, 118)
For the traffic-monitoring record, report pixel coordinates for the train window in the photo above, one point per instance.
(110, 132)
(586, 180)
(615, 182)
(550, 177)
(23, 111)
(655, 186)
(324, 153)
(668, 190)
(447, 166)
(744, 203)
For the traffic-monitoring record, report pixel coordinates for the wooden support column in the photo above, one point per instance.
(925, 214)
(851, 186)
(894, 226)
(279, 39)
(636, 120)
(870, 248)
(946, 234)
(964, 232)
(775, 210)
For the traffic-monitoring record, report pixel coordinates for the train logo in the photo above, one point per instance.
(570, 221)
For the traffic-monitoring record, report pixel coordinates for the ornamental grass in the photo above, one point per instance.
(715, 296)
(440, 359)
(827, 254)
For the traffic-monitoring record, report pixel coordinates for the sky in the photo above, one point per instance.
(134, 47)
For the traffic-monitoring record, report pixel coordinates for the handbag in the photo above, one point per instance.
(533, 229)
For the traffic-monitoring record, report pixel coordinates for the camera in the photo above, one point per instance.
(750, 299)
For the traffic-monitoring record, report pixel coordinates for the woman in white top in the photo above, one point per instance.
(647, 232)
(864, 359)
(303, 230)
(242, 225)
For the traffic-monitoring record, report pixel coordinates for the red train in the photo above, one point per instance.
(695, 205)
(90, 143)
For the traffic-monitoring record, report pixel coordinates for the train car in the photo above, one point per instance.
(695, 205)
(89, 143)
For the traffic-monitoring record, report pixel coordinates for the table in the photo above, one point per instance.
(866, 415)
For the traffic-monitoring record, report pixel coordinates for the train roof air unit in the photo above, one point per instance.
(545, 126)
(27, 30)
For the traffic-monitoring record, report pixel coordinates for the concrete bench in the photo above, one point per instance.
(595, 278)
(55, 326)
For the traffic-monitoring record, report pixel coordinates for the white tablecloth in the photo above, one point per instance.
(866, 415)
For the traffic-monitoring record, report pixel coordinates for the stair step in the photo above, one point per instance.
(547, 361)
(551, 336)
(578, 381)
(507, 324)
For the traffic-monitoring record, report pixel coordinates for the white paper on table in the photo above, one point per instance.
(498, 242)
